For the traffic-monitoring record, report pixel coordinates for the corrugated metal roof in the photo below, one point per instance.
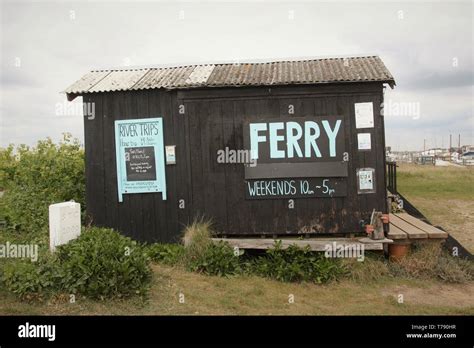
(118, 80)
(200, 74)
(311, 71)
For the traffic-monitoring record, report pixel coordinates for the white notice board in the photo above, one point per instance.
(364, 141)
(364, 115)
(365, 180)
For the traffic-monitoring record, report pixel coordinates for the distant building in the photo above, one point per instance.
(467, 148)
(468, 155)
(432, 152)
(455, 156)
(425, 160)
(445, 156)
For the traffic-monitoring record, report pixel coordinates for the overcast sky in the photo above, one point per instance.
(428, 47)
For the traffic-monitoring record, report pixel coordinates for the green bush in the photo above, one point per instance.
(100, 263)
(34, 178)
(169, 254)
(23, 278)
(217, 259)
(202, 255)
(289, 265)
(296, 264)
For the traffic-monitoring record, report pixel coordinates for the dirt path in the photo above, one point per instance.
(453, 295)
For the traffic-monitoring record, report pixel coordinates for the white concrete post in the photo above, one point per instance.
(64, 223)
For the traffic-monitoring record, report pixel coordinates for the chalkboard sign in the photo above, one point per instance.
(295, 188)
(140, 156)
(140, 163)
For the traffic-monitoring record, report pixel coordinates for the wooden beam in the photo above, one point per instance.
(432, 231)
(314, 244)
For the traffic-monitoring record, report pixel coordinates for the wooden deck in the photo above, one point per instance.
(406, 227)
(315, 244)
(403, 228)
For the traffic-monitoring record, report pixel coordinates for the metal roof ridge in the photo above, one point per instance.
(277, 61)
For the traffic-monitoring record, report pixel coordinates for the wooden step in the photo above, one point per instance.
(411, 231)
(432, 231)
(396, 233)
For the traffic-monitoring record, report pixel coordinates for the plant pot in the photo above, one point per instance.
(397, 251)
(369, 229)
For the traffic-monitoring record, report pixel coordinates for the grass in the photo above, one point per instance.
(444, 195)
(438, 183)
(246, 295)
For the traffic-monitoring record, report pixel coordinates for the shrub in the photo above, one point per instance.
(296, 264)
(289, 265)
(34, 178)
(23, 278)
(169, 254)
(100, 263)
(217, 259)
(202, 255)
(31, 280)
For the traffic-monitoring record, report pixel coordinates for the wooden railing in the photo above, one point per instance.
(391, 172)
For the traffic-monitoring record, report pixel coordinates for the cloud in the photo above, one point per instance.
(58, 42)
(436, 80)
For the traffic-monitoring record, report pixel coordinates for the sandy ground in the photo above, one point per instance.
(455, 216)
(452, 295)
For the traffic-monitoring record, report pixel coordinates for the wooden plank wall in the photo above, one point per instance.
(212, 120)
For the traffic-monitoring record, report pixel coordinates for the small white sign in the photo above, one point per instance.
(366, 180)
(170, 151)
(364, 115)
(363, 141)
(64, 223)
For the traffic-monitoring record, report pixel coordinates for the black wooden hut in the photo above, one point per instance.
(274, 148)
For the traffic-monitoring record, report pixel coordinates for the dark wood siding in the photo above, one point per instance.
(212, 120)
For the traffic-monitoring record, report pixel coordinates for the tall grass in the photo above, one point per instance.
(429, 260)
(425, 261)
(196, 239)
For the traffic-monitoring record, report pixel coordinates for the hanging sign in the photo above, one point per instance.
(140, 156)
